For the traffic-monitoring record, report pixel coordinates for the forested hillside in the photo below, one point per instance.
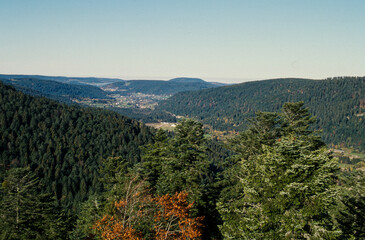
(159, 87)
(56, 90)
(277, 180)
(338, 104)
(64, 144)
(69, 80)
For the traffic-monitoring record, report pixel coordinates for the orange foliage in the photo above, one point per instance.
(170, 221)
(111, 228)
(127, 213)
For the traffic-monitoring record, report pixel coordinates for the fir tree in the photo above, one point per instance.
(284, 190)
(25, 212)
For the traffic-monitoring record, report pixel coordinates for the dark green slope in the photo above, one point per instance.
(54, 89)
(336, 102)
(187, 80)
(69, 80)
(159, 87)
(64, 144)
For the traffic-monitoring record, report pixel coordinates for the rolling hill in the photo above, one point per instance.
(70, 80)
(64, 145)
(55, 90)
(338, 103)
(132, 98)
(158, 87)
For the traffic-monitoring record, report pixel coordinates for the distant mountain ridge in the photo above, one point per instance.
(338, 103)
(54, 89)
(159, 87)
(187, 80)
(133, 98)
(70, 80)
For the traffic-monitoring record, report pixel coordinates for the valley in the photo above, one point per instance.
(129, 100)
(182, 120)
(84, 155)
(223, 109)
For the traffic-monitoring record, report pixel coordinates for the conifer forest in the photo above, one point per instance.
(81, 173)
(182, 120)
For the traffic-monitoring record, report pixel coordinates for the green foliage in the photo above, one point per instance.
(283, 181)
(120, 183)
(296, 119)
(280, 182)
(54, 89)
(158, 87)
(178, 164)
(27, 214)
(185, 163)
(153, 157)
(112, 170)
(352, 220)
(145, 115)
(70, 80)
(90, 211)
(64, 144)
(264, 129)
(350, 214)
(118, 179)
(338, 103)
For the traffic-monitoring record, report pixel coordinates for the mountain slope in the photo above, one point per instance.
(187, 80)
(338, 103)
(55, 89)
(69, 80)
(63, 144)
(158, 87)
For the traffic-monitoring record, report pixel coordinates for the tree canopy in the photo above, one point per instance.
(285, 186)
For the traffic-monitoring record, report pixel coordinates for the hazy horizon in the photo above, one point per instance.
(228, 81)
(218, 80)
(218, 41)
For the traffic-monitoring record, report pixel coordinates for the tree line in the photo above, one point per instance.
(337, 103)
(64, 144)
(275, 180)
(279, 182)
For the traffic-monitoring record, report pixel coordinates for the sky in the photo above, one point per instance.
(225, 41)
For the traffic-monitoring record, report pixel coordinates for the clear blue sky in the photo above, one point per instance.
(227, 41)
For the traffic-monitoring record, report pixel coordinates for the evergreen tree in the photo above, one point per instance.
(90, 211)
(153, 157)
(63, 145)
(25, 212)
(351, 213)
(263, 130)
(297, 121)
(181, 163)
(283, 190)
(352, 218)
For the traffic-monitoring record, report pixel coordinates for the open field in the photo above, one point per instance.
(164, 125)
